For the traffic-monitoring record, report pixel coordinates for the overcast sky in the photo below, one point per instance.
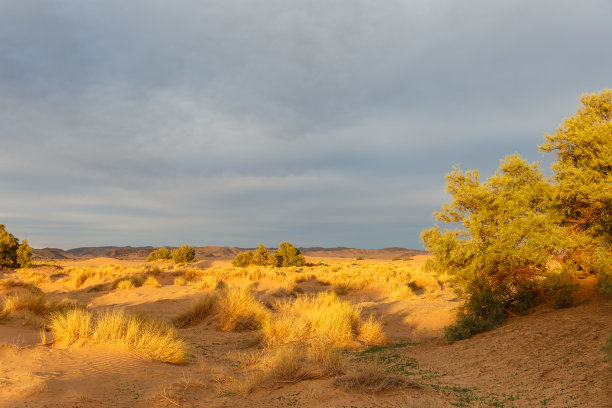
(234, 122)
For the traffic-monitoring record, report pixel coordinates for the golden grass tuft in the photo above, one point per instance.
(209, 282)
(371, 332)
(287, 364)
(136, 333)
(239, 310)
(324, 318)
(125, 284)
(71, 325)
(152, 282)
(31, 301)
(179, 281)
(202, 308)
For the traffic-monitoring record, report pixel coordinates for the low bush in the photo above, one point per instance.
(288, 255)
(159, 253)
(184, 254)
(482, 311)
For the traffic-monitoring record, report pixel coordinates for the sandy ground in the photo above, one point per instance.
(548, 358)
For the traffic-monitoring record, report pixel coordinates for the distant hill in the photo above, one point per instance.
(216, 252)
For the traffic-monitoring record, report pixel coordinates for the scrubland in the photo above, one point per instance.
(335, 332)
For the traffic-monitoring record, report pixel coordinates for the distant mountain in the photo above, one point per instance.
(216, 252)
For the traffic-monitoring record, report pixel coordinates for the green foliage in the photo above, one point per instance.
(583, 167)
(11, 252)
(288, 255)
(560, 285)
(583, 176)
(243, 259)
(24, 254)
(159, 253)
(261, 256)
(482, 311)
(512, 225)
(602, 266)
(507, 236)
(184, 254)
(258, 257)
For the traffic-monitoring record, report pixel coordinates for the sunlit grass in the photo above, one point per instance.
(143, 336)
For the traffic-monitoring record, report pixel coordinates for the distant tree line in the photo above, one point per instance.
(285, 255)
(184, 254)
(520, 236)
(12, 253)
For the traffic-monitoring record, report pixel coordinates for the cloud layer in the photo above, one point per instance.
(238, 122)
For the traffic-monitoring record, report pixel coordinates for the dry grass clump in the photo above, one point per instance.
(30, 275)
(152, 282)
(34, 302)
(291, 364)
(202, 308)
(136, 333)
(239, 310)
(80, 275)
(371, 332)
(372, 379)
(179, 281)
(9, 284)
(71, 325)
(209, 282)
(324, 319)
(402, 292)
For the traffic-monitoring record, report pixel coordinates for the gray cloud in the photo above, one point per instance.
(234, 122)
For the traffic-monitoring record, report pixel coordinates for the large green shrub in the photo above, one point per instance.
(11, 252)
(511, 226)
(184, 254)
(288, 255)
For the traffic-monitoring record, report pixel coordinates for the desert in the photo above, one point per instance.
(393, 355)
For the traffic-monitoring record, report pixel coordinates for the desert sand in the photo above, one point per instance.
(547, 358)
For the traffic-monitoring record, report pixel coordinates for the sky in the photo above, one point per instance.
(234, 122)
